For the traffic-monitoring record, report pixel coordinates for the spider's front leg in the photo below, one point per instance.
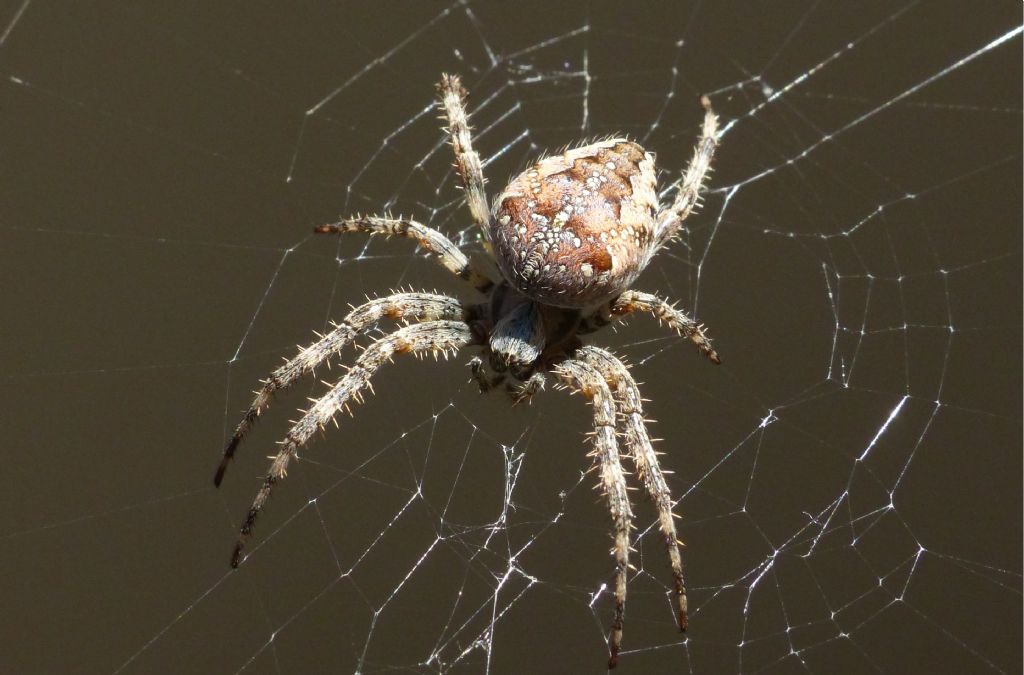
(454, 260)
(587, 380)
(637, 301)
(633, 430)
(688, 196)
(467, 161)
(432, 336)
(400, 307)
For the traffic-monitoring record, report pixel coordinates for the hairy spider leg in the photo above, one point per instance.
(666, 312)
(399, 307)
(439, 337)
(454, 260)
(584, 378)
(637, 444)
(688, 196)
(467, 161)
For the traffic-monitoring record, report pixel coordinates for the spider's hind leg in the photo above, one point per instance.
(586, 379)
(633, 431)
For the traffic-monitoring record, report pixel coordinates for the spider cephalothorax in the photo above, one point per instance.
(570, 235)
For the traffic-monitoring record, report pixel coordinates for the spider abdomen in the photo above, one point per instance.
(576, 229)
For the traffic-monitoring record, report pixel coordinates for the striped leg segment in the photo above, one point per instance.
(637, 444)
(437, 337)
(587, 380)
(454, 260)
(406, 307)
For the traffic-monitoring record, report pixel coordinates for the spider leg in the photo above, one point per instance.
(467, 161)
(400, 306)
(431, 336)
(588, 381)
(688, 196)
(637, 301)
(430, 239)
(638, 446)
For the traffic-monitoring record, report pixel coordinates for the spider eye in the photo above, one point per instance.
(577, 229)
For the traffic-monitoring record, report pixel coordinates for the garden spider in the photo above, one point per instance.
(570, 235)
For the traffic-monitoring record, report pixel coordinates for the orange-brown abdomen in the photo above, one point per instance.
(577, 229)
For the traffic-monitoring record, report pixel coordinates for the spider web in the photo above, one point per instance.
(848, 479)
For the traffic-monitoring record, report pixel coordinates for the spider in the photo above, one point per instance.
(569, 235)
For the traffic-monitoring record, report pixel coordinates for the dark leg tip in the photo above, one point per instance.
(229, 453)
(219, 476)
(236, 557)
(613, 660)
